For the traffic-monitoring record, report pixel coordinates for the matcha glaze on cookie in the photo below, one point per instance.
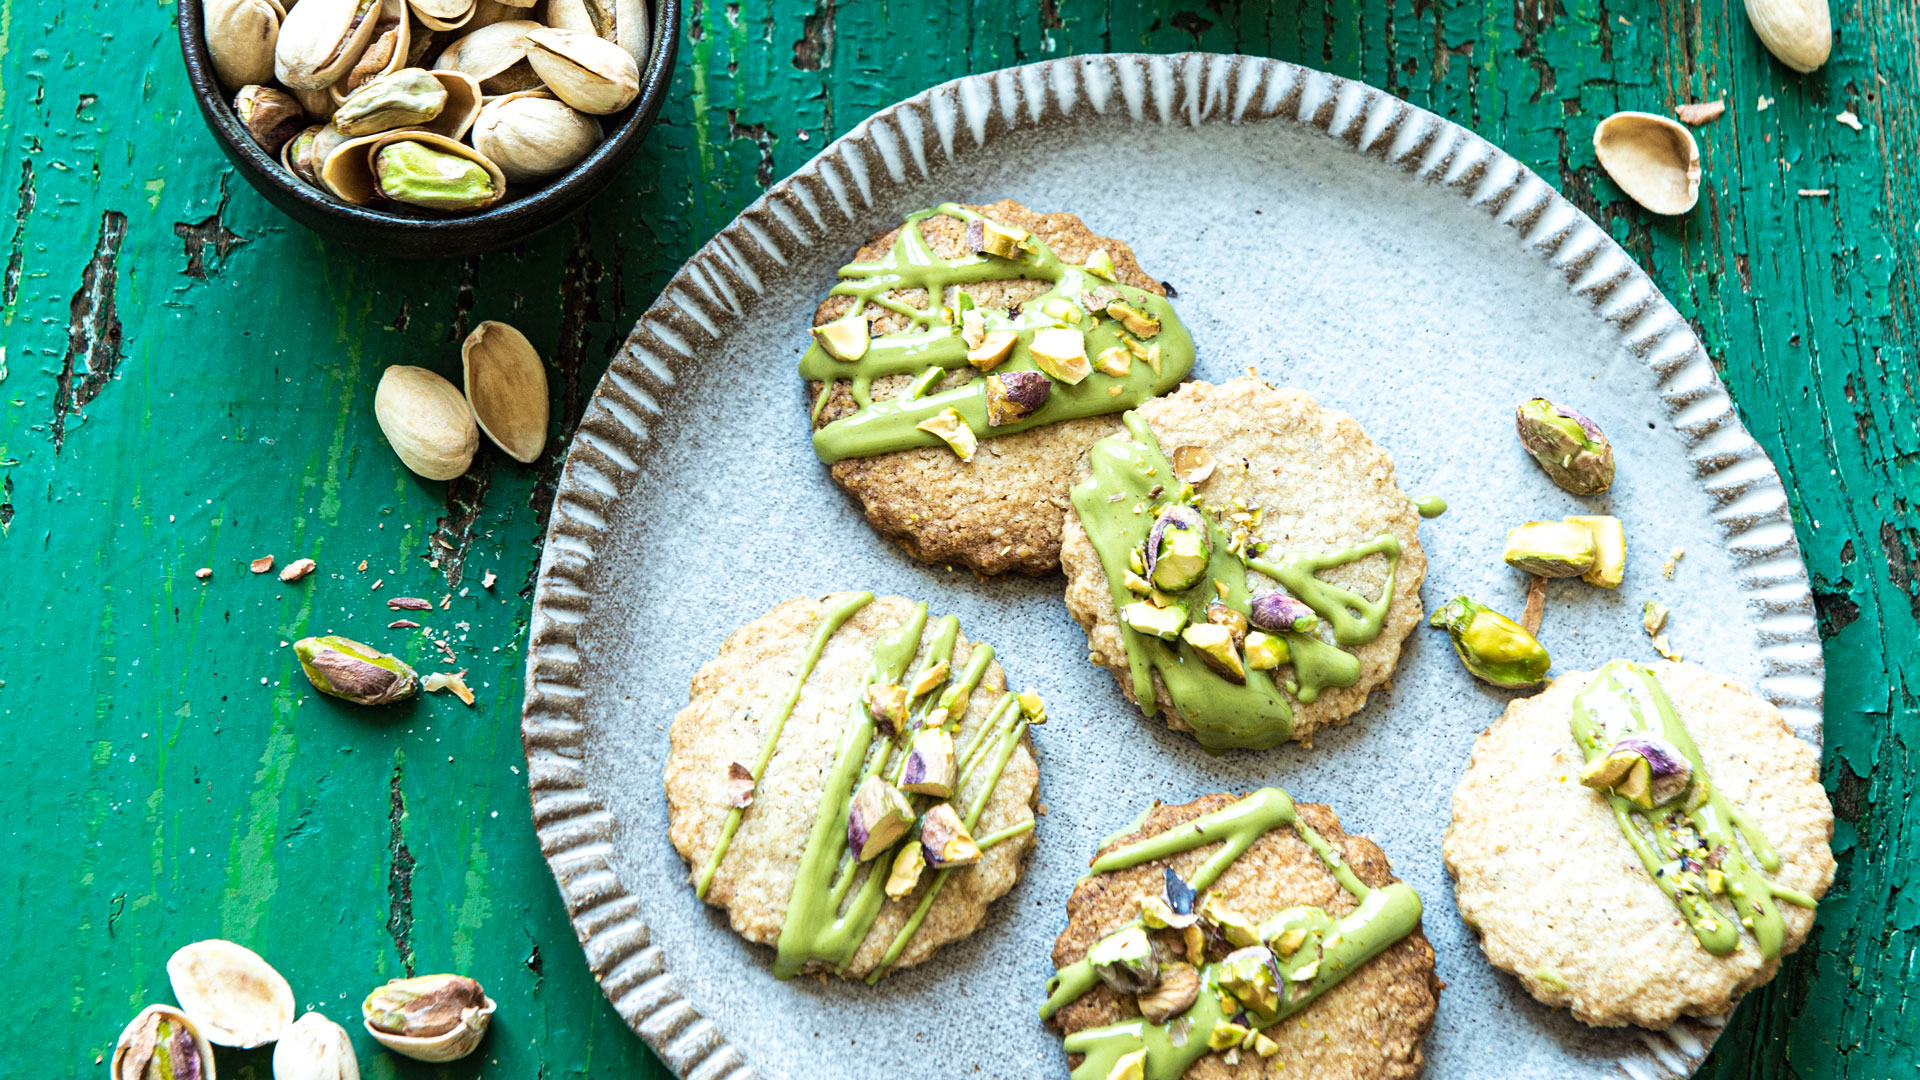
(1123, 345)
(1227, 689)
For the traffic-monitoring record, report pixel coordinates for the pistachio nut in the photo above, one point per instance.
(429, 1017)
(1125, 961)
(320, 40)
(1653, 158)
(346, 669)
(506, 389)
(443, 14)
(386, 54)
(1609, 550)
(623, 22)
(496, 57)
(315, 1048)
(427, 421)
(434, 172)
(325, 142)
(532, 135)
(1570, 447)
(298, 158)
(407, 98)
(1494, 648)
(1799, 33)
(318, 104)
(240, 36)
(233, 996)
(271, 116)
(162, 1044)
(1177, 990)
(1550, 549)
(589, 73)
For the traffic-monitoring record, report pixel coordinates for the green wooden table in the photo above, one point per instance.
(187, 377)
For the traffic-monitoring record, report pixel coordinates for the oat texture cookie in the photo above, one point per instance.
(1243, 562)
(1243, 937)
(852, 724)
(965, 362)
(1600, 843)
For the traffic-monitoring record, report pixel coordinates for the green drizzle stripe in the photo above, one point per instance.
(933, 345)
(1625, 697)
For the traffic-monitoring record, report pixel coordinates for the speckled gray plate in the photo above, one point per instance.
(1393, 264)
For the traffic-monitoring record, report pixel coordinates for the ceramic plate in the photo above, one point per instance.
(1391, 263)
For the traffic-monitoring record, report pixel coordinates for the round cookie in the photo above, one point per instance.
(1561, 901)
(1001, 511)
(1367, 1026)
(1320, 484)
(732, 707)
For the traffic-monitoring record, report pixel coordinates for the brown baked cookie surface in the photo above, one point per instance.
(1367, 1026)
(734, 704)
(1000, 512)
(1317, 483)
(1560, 899)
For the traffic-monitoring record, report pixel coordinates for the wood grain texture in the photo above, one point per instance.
(187, 382)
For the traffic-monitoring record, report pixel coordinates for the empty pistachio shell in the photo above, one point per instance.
(587, 72)
(234, 997)
(463, 105)
(507, 388)
(271, 116)
(496, 56)
(315, 1048)
(433, 172)
(426, 421)
(1653, 158)
(623, 22)
(355, 672)
(430, 1017)
(1799, 33)
(162, 1043)
(532, 135)
(345, 165)
(240, 36)
(320, 40)
(443, 14)
(407, 98)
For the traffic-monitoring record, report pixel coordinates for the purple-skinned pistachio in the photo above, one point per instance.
(1125, 961)
(888, 704)
(930, 764)
(944, 839)
(1178, 549)
(1642, 768)
(1570, 447)
(739, 786)
(1279, 611)
(1015, 395)
(880, 816)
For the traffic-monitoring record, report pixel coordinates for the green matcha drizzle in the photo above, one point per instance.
(1430, 506)
(1625, 697)
(834, 619)
(932, 345)
(1130, 479)
(1335, 947)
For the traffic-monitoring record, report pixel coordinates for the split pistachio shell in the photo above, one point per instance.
(233, 996)
(433, 172)
(320, 40)
(532, 135)
(429, 1017)
(506, 388)
(271, 116)
(346, 169)
(1799, 33)
(385, 54)
(240, 36)
(409, 97)
(315, 1048)
(1653, 158)
(496, 57)
(589, 73)
(443, 14)
(426, 420)
(298, 158)
(147, 1052)
(623, 22)
(463, 105)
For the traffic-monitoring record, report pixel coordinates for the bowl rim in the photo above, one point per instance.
(523, 216)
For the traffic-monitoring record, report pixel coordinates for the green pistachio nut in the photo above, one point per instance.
(1146, 617)
(1609, 550)
(1266, 651)
(1125, 961)
(414, 173)
(1570, 447)
(1552, 549)
(407, 98)
(1494, 648)
(1252, 976)
(351, 671)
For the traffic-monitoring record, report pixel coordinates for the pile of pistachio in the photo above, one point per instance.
(441, 106)
(229, 996)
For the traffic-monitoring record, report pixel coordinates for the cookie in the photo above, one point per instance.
(1000, 511)
(1544, 873)
(1356, 1003)
(1283, 482)
(784, 736)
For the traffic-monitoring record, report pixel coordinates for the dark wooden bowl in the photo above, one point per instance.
(520, 216)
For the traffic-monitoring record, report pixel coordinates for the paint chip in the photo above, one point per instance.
(1815, 192)
(487, 582)
(1763, 104)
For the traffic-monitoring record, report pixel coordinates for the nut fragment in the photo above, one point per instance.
(739, 786)
(1553, 549)
(1013, 396)
(1178, 989)
(1653, 158)
(879, 816)
(261, 565)
(162, 1044)
(1125, 961)
(296, 570)
(951, 428)
(945, 838)
(1192, 464)
(1700, 112)
(455, 681)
